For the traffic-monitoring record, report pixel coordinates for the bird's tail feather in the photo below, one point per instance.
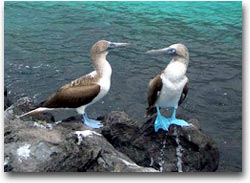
(35, 111)
(40, 104)
(151, 110)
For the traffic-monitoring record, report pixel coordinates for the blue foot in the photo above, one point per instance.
(161, 123)
(178, 122)
(164, 123)
(91, 122)
(175, 121)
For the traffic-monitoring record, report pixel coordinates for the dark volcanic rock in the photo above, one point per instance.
(34, 146)
(181, 149)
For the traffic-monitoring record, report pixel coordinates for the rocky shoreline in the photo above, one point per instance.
(38, 144)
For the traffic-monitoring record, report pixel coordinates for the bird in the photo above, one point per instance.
(169, 88)
(86, 90)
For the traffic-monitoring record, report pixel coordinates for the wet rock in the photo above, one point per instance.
(30, 146)
(185, 149)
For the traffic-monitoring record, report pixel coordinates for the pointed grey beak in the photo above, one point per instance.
(115, 45)
(168, 51)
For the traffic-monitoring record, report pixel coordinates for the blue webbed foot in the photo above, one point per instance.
(161, 123)
(178, 122)
(175, 121)
(164, 123)
(91, 122)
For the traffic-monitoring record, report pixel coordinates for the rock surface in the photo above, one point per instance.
(184, 149)
(38, 144)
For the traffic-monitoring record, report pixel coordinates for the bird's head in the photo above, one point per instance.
(102, 47)
(175, 50)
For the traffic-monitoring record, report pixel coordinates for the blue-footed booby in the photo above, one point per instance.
(169, 88)
(86, 90)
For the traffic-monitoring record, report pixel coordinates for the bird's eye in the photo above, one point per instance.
(171, 51)
(111, 45)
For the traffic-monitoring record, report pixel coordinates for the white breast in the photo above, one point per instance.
(105, 86)
(175, 71)
(173, 82)
(104, 82)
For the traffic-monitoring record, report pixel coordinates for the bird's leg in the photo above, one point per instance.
(173, 114)
(174, 120)
(161, 122)
(91, 122)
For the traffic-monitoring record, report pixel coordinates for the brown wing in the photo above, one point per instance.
(75, 94)
(184, 93)
(154, 88)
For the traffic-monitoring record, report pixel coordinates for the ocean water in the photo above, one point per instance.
(47, 44)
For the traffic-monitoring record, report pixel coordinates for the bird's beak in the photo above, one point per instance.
(116, 45)
(168, 51)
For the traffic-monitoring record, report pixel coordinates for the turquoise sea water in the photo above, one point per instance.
(46, 44)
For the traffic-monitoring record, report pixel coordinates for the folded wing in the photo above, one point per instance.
(154, 89)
